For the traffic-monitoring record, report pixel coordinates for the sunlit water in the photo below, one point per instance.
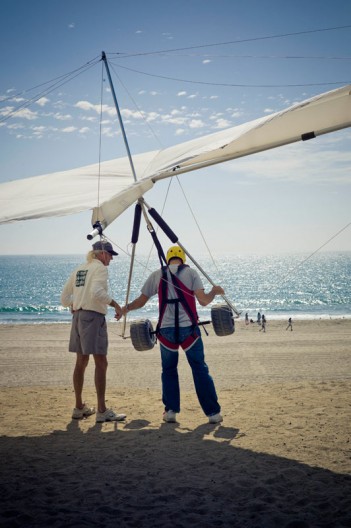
(278, 286)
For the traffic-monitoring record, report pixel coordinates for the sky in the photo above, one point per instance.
(181, 70)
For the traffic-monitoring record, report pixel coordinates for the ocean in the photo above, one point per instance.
(279, 286)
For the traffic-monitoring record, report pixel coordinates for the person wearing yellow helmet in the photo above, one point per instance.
(179, 287)
(175, 252)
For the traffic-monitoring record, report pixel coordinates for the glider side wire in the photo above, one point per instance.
(141, 113)
(100, 136)
(65, 79)
(238, 41)
(238, 85)
(288, 275)
(198, 225)
(170, 181)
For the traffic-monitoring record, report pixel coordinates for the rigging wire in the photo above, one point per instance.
(169, 185)
(61, 82)
(238, 85)
(100, 132)
(141, 113)
(288, 276)
(282, 57)
(51, 80)
(198, 225)
(238, 41)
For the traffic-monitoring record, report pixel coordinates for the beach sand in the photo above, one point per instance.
(281, 457)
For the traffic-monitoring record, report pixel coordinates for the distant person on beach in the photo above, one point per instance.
(247, 322)
(263, 323)
(289, 324)
(178, 286)
(86, 293)
(258, 318)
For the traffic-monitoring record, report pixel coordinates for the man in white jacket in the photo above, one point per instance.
(86, 293)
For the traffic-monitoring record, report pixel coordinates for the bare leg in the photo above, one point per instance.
(100, 380)
(78, 378)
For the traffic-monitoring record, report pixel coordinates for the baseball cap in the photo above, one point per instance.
(104, 246)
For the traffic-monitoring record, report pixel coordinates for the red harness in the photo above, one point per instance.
(186, 298)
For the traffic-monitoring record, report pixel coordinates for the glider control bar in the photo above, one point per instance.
(174, 239)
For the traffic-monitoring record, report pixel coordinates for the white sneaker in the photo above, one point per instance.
(169, 416)
(86, 411)
(215, 418)
(109, 416)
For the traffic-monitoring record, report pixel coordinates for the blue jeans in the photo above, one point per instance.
(203, 382)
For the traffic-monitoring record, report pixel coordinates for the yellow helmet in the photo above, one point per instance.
(175, 252)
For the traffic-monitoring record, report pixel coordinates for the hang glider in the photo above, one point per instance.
(73, 191)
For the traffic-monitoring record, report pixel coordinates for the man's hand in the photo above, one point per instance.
(117, 308)
(118, 313)
(124, 309)
(217, 290)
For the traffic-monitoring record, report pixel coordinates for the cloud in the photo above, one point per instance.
(206, 61)
(97, 108)
(15, 126)
(222, 123)
(152, 116)
(69, 130)
(25, 113)
(132, 114)
(61, 117)
(6, 110)
(108, 132)
(181, 94)
(296, 163)
(38, 131)
(42, 101)
(91, 119)
(71, 25)
(196, 123)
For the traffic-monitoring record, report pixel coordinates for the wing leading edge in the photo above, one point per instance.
(72, 191)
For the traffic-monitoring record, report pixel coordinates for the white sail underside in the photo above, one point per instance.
(72, 191)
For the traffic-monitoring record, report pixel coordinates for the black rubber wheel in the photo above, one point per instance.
(222, 319)
(140, 333)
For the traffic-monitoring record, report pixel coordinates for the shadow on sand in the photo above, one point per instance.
(135, 476)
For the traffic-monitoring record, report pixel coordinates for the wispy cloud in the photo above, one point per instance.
(43, 101)
(296, 163)
(69, 130)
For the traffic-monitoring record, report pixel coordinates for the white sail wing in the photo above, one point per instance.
(319, 115)
(68, 192)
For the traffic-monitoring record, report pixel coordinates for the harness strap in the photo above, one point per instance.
(181, 298)
(186, 344)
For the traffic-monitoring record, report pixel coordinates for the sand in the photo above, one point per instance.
(281, 457)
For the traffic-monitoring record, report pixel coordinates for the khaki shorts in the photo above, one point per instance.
(88, 333)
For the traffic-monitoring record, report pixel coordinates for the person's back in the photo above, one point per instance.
(188, 276)
(178, 286)
(87, 287)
